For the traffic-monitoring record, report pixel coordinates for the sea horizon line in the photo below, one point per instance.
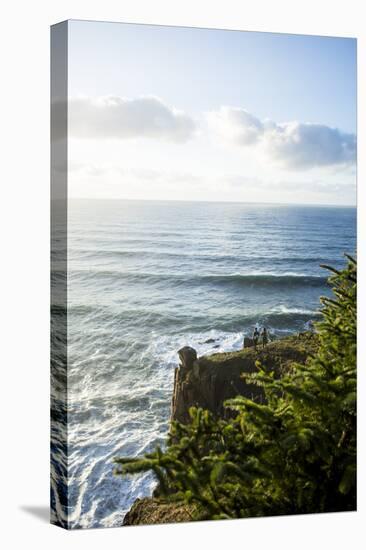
(204, 201)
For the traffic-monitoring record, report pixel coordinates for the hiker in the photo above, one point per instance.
(264, 336)
(255, 338)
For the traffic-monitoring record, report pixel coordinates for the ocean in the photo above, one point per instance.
(146, 278)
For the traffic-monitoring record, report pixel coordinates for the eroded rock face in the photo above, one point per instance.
(187, 357)
(148, 511)
(208, 381)
(248, 342)
(207, 384)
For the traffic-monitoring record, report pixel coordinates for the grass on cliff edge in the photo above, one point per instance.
(294, 454)
(303, 342)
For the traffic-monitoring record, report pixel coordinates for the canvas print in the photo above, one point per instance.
(203, 274)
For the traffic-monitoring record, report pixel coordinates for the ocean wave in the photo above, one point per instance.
(267, 279)
(144, 318)
(251, 279)
(159, 252)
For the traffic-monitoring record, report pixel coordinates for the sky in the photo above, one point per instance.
(174, 113)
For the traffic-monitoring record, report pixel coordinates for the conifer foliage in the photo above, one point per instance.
(296, 453)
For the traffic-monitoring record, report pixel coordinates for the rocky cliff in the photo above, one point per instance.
(150, 511)
(207, 382)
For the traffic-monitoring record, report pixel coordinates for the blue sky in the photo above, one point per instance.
(304, 85)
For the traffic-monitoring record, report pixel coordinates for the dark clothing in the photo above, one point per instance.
(255, 338)
(264, 337)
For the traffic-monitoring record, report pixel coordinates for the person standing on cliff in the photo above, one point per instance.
(255, 338)
(264, 336)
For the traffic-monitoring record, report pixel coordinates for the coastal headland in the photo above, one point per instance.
(207, 382)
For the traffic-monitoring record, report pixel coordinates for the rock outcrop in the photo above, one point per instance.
(208, 381)
(149, 511)
(248, 342)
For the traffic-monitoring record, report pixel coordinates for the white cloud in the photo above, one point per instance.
(295, 145)
(236, 125)
(121, 118)
(311, 185)
(144, 176)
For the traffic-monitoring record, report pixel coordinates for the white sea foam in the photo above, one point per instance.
(294, 310)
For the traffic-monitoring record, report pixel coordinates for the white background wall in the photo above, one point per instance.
(24, 274)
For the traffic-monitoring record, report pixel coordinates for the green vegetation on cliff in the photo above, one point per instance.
(293, 453)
